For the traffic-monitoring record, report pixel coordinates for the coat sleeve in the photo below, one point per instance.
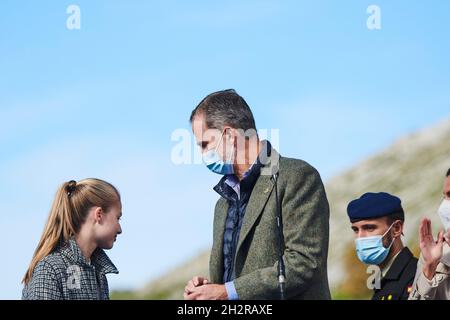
(44, 284)
(305, 214)
(424, 289)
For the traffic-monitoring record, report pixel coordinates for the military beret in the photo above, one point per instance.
(374, 205)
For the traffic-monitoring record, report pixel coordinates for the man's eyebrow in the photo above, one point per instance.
(369, 225)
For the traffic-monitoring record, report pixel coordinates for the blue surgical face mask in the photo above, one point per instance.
(370, 250)
(213, 162)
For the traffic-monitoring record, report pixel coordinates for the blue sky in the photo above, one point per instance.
(103, 101)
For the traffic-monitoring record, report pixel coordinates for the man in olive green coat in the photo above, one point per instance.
(245, 251)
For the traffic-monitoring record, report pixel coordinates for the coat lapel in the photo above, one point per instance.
(258, 199)
(260, 194)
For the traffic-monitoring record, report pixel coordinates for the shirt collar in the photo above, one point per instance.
(398, 264)
(250, 176)
(99, 258)
(388, 265)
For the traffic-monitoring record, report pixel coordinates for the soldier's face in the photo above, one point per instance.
(378, 227)
(368, 228)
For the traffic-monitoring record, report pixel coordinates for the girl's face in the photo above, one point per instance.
(108, 227)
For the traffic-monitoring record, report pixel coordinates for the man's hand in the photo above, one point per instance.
(207, 292)
(431, 249)
(193, 283)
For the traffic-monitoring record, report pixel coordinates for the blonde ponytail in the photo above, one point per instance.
(69, 210)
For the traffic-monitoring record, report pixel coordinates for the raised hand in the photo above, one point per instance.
(431, 249)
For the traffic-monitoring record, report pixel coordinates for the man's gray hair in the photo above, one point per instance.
(225, 108)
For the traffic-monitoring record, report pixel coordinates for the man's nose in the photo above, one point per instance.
(361, 234)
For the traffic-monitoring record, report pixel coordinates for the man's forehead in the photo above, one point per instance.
(204, 134)
(198, 124)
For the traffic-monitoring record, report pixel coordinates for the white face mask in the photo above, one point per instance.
(444, 213)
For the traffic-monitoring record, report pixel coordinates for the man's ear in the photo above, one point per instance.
(398, 228)
(227, 131)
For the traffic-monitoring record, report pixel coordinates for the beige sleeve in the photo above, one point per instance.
(424, 289)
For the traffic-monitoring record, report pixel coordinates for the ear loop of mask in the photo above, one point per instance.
(220, 141)
(393, 238)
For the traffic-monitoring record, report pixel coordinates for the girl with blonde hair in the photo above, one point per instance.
(69, 261)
